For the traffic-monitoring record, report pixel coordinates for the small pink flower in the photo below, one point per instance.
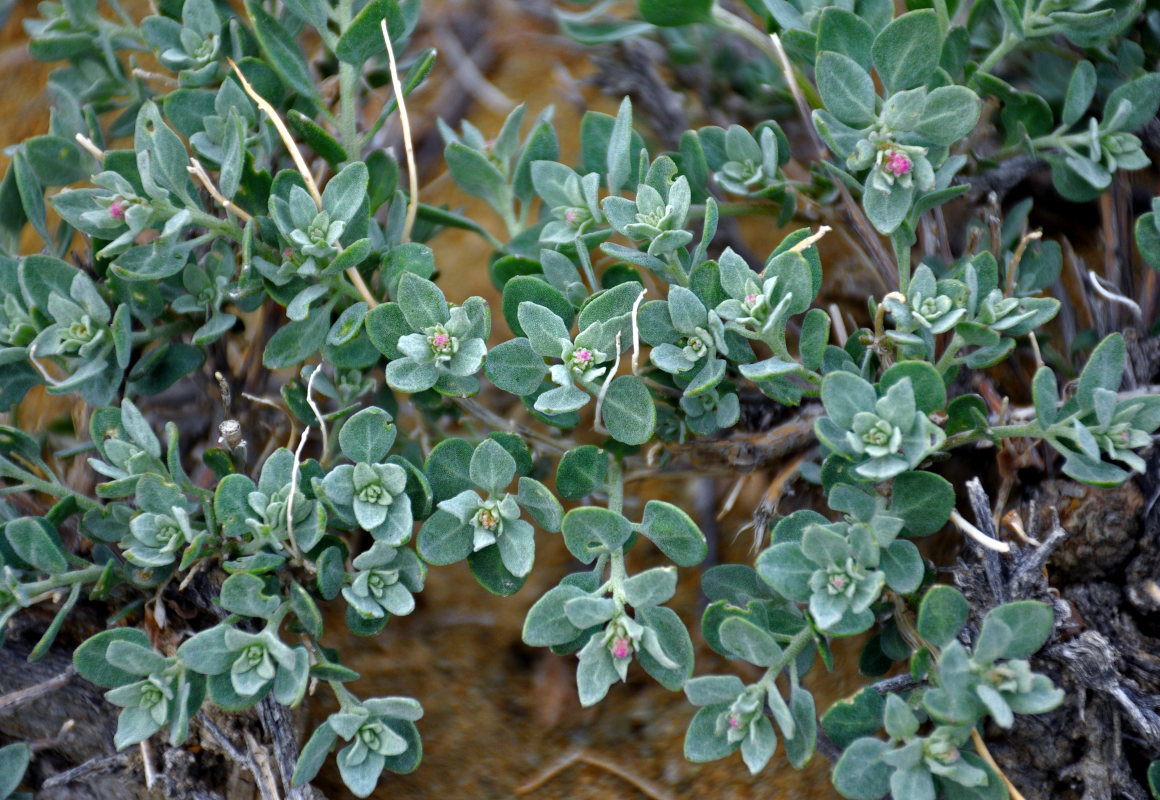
(838, 582)
(583, 355)
(287, 253)
(734, 723)
(750, 299)
(897, 163)
(570, 216)
(621, 647)
(439, 340)
(117, 209)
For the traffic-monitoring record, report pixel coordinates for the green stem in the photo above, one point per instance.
(948, 356)
(50, 487)
(159, 332)
(67, 579)
(799, 642)
(1007, 44)
(347, 91)
(1030, 430)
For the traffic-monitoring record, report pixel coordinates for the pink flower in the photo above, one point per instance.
(583, 355)
(750, 299)
(734, 723)
(897, 163)
(570, 216)
(117, 209)
(439, 341)
(621, 647)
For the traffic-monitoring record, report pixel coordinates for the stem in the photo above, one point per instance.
(347, 90)
(159, 332)
(49, 487)
(1030, 430)
(67, 579)
(617, 574)
(1005, 46)
(948, 356)
(799, 642)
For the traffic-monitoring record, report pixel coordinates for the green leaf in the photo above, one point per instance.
(546, 623)
(1144, 95)
(619, 156)
(843, 32)
(363, 38)
(941, 615)
(846, 89)
(799, 748)
(702, 743)
(628, 410)
(489, 570)
(902, 565)
(1154, 779)
(1081, 90)
(385, 325)
(515, 367)
(91, 659)
(949, 115)
(1045, 393)
(673, 638)
(346, 192)
(1030, 623)
(887, 209)
(591, 530)
(1148, 239)
(930, 393)
(35, 541)
(747, 641)
(14, 760)
(281, 51)
(787, 569)
(243, 593)
(443, 539)
(1104, 370)
(674, 533)
(581, 471)
(31, 195)
(421, 301)
(814, 338)
(860, 773)
(907, 50)
(538, 501)
(367, 436)
(673, 13)
(527, 288)
(448, 468)
(491, 467)
(305, 609)
(314, 754)
(474, 173)
(853, 717)
(923, 500)
(295, 342)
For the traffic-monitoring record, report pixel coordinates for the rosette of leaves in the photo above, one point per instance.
(700, 337)
(589, 617)
(208, 286)
(371, 491)
(254, 518)
(224, 138)
(885, 431)
(153, 691)
(758, 307)
(656, 217)
(1095, 423)
(242, 667)
(746, 163)
(383, 581)
(162, 529)
(431, 344)
(312, 233)
(84, 334)
(716, 409)
(189, 47)
(931, 307)
(1084, 160)
(382, 735)
(481, 521)
(992, 679)
(904, 139)
(572, 200)
(128, 449)
(113, 212)
(500, 171)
